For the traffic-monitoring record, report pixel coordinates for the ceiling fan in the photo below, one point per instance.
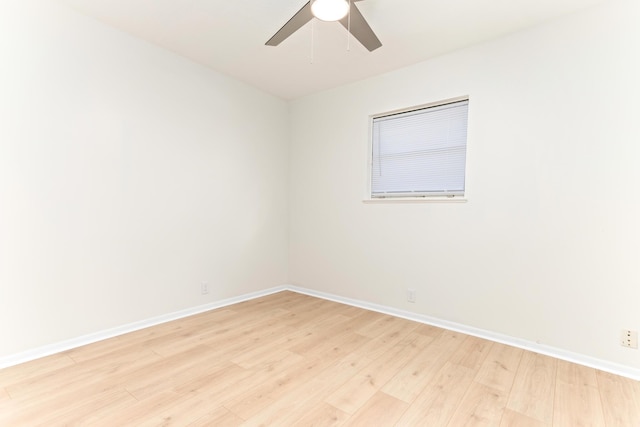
(344, 11)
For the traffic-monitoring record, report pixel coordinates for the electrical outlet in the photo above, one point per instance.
(629, 338)
(411, 295)
(204, 288)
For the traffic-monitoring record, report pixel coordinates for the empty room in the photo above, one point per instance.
(326, 212)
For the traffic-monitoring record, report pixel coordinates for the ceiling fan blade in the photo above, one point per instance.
(360, 29)
(303, 16)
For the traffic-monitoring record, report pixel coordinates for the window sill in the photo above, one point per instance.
(416, 200)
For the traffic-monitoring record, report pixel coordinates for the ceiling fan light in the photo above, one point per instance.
(329, 10)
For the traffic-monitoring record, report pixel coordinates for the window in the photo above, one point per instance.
(420, 152)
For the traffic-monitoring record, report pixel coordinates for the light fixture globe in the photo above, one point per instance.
(329, 10)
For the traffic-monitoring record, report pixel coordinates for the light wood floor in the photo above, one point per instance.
(293, 360)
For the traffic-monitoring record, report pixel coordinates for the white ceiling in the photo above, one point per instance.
(229, 35)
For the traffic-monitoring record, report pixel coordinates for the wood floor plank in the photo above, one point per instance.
(577, 375)
(349, 310)
(239, 396)
(91, 410)
(269, 391)
(411, 379)
(429, 330)
(480, 406)
(334, 346)
(169, 372)
(79, 378)
(472, 353)
(249, 351)
(312, 310)
(213, 383)
(533, 388)
(33, 369)
(380, 410)
(231, 342)
(175, 332)
(291, 359)
(60, 410)
(8, 407)
(512, 418)
(620, 400)
(182, 411)
(290, 406)
(390, 338)
(343, 335)
(439, 400)
(499, 368)
(361, 387)
(245, 327)
(139, 411)
(577, 405)
(344, 369)
(63, 405)
(321, 332)
(219, 417)
(383, 325)
(110, 355)
(323, 415)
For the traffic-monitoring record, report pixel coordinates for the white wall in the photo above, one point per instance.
(128, 175)
(547, 247)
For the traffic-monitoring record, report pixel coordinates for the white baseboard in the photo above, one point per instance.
(58, 347)
(558, 353)
(581, 359)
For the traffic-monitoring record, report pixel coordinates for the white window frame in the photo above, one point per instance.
(409, 197)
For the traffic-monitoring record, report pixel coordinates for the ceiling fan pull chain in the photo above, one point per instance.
(312, 40)
(349, 28)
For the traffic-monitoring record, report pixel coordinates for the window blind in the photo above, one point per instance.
(420, 152)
